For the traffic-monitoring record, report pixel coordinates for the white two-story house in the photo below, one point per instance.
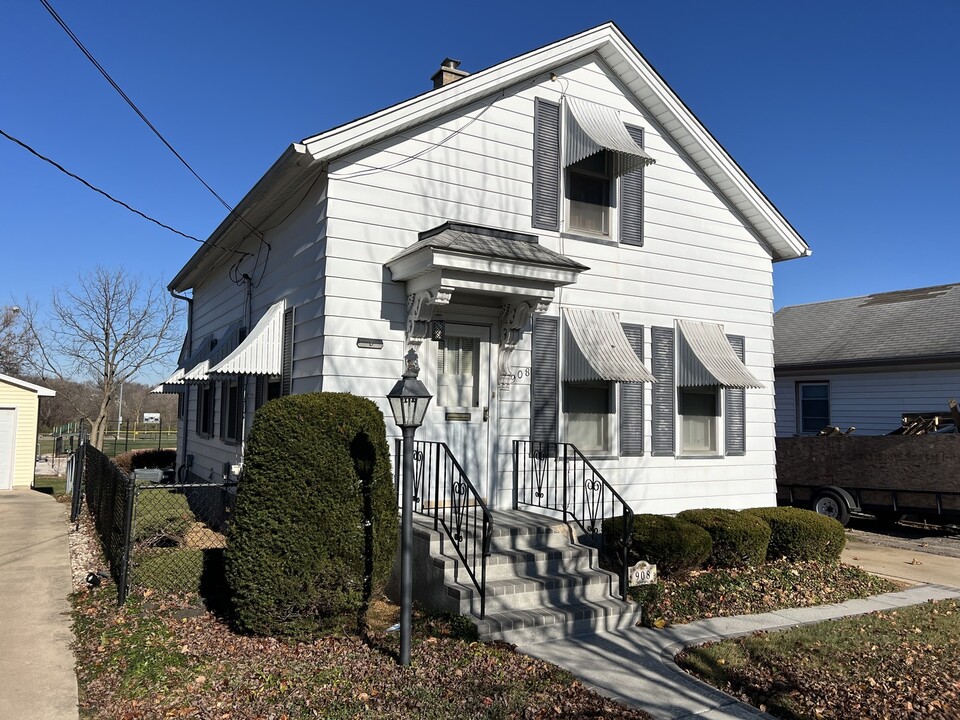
(577, 261)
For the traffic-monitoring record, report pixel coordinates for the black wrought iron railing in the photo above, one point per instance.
(442, 491)
(558, 477)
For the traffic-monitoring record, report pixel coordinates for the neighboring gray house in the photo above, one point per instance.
(867, 361)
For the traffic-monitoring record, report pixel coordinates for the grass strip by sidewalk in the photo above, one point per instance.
(903, 663)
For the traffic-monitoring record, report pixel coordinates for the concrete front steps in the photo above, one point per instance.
(541, 584)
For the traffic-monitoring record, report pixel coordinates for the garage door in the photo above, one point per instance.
(8, 434)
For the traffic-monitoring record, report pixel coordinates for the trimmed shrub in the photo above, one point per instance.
(137, 459)
(798, 534)
(314, 530)
(675, 546)
(739, 540)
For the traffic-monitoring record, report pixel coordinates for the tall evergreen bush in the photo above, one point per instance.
(314, 531)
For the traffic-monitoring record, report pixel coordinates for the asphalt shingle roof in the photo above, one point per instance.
(919, 323)
(492, 243)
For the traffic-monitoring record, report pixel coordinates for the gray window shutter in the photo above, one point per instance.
(631, 401)
(664, 391)
(734, 408)
(543, 380)
(258, 392)
(546, 165)
(631, 199)
(222, 389)
(286, 376)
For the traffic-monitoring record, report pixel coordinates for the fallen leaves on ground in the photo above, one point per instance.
(750, 590)
(160, 658)
(893, 665)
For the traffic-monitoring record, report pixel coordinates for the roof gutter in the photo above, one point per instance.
(866, 363)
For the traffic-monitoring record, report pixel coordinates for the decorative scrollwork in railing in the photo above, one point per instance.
(557, 476)
(456, 507)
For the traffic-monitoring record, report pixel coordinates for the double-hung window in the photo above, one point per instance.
(699, 409)
(599, 169)
(588, 409)
(589, 194)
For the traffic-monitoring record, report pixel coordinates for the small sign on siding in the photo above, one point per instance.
(643, 573)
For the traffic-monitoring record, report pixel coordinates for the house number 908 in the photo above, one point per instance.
(521, 373)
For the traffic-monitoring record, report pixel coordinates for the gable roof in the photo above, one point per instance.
(301, 162)
(24, 385)
(917, 325)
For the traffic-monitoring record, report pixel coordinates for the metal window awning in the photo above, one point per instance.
(704, 357)
(591, 128)
(175, 380)
(596, 348)
(261, 352)
(210, 353)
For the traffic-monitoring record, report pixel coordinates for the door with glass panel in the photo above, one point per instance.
(460, 380)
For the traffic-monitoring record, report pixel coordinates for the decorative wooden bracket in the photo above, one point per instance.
(420, 307)
(514, 317)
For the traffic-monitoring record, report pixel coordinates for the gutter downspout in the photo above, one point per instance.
(181, 470)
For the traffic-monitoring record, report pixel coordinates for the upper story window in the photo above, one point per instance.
(602, 161)
(588, 190)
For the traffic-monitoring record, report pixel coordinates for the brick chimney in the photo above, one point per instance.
(449, 72)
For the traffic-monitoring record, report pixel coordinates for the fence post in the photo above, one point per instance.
(78, 470)
(131, 500)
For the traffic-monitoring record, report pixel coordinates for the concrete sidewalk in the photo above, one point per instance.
(37, 676)
(635, 666)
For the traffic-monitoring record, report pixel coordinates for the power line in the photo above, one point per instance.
(110, 197)
(143, 117)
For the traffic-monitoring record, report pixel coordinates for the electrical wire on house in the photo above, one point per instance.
(415, 156)
(110, 197)
(60, 21)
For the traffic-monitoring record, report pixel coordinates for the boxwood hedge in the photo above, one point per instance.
(739, 540)
(314, 531)
(674, 545)
(798, 534)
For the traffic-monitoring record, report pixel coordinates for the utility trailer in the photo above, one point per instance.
(888, 476)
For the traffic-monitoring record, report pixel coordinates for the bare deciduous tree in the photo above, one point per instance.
(110, 329)
(16, 341)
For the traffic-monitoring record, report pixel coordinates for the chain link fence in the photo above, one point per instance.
(155, 535)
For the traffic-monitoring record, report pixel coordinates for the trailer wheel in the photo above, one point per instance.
(832, 505)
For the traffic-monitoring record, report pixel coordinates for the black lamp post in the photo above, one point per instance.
(409, 400)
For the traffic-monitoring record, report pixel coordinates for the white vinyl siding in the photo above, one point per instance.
(698, 261)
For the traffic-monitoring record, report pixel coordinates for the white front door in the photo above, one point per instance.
(459, 378)
(8, 444)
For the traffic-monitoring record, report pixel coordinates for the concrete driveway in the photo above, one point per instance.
(909, 565)
(37, 676)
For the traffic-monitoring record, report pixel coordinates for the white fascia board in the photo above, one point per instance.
(294, 161)
(24, 385)
(680, 122)
(434, 103)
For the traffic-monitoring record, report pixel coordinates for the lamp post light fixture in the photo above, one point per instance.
(409, 400)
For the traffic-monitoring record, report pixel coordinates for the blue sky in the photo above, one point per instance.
(844, 113)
